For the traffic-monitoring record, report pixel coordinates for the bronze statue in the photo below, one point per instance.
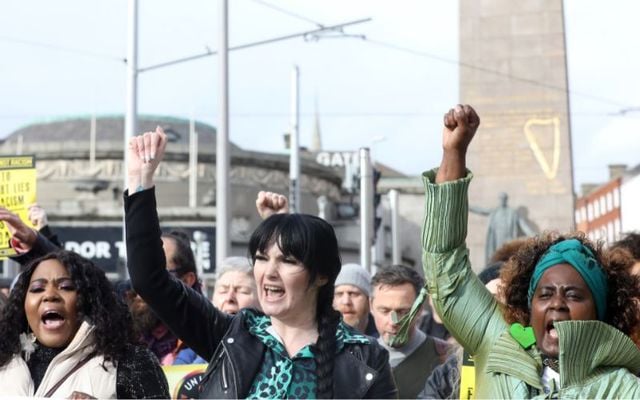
(505, 224)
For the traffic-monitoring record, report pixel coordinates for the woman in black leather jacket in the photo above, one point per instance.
(297, 347)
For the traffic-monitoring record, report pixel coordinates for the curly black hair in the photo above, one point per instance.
(631, 243)
(623, 298)
(96, 303)
(504, 252)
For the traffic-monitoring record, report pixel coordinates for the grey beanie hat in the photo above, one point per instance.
(354, 274)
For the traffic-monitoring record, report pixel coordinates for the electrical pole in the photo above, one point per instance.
(193, 164)
(294, 158)
(223, 242)
(396, 257)
(366, 209)
(131, 117)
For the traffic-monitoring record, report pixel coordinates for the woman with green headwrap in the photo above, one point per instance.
(569, 307)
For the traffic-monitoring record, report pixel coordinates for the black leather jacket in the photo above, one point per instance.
(360, 370)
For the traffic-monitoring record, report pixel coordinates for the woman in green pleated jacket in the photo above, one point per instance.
(570, 308)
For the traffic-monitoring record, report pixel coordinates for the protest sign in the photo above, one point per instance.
(17, 192)
(184, 380)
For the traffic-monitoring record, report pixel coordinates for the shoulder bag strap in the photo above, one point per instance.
(74, 369)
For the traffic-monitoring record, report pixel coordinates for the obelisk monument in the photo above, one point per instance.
(513, 70)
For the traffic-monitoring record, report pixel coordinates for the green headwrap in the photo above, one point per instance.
(573, 252)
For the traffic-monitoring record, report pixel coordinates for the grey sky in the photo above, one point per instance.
(64, 58)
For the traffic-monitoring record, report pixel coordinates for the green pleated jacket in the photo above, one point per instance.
(596, 359)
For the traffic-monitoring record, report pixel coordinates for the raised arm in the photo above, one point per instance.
(467, 309)
(38, 218)
(480, 210)
(23, 238)
(26, 241)
(187, 313)
(525, 227)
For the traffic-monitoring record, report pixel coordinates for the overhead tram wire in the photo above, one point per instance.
(341, 33)
(493, 72)
(79, 52)
(289, 13)
(336, 115)
(624, 107)
(336, 27)
(399, 114)
(323, 28)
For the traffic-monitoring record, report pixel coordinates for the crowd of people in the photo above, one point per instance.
(552, 315)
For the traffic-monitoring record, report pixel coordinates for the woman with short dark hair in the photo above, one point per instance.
(296, 347)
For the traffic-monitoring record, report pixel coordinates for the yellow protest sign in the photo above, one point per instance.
(184, 380)
(467, 377)
(17, 192)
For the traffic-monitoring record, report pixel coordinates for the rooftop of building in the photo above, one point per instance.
(110, 128)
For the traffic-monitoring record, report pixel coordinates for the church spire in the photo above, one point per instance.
(316, 140)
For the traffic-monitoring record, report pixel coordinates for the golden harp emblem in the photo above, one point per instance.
(550, 169)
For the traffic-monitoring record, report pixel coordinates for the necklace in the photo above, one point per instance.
(552, 363)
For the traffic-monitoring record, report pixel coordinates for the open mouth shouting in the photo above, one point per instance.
(551, 330)
(54, 326)
(272, 292)
(52, 320)
(550, 343)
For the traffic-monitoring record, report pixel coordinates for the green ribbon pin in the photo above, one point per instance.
(524, 336)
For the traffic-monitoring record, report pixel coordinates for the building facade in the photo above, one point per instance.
(607, 211)
(80, 183)
(598, 214)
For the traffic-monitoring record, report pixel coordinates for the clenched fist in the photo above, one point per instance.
(269, 203)
(460, 125)
(145, 153)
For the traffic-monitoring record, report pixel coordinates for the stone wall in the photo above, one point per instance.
(513, 71)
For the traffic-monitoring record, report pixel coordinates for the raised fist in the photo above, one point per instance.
(460, 124)
(144, 155)
(269, 203)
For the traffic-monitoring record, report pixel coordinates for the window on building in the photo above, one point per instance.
(596, 209)
(617, 228)
(589, 212)
(577, 216)
(583, 213)
(603, 206)
(610, 233)
(616, 198)
(609, 201)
